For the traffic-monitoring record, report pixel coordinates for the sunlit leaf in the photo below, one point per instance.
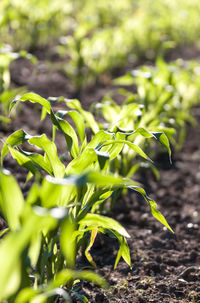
(34, 98)
(11, 199)
(156, 213)
(105, 222)
(67, 243)
(51, 151)
(123, 252)
(94, 233)
(66, 275)
(16, 138)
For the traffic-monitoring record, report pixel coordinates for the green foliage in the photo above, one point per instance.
(166, 93)
(100, 36)
(32, 24)
(105, 35)
(64, 208)
(104, 147)
(45, 242)
(47, 234)
(62, 213)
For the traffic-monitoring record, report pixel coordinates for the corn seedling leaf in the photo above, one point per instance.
(123, 252)
(79, 121)
(94, 233)
(69, 134)
(24, 160)
(66, 275)
(33, 98)
(133, 146)
(98, 196)
(26, 295)
(162, 138)
(51, 151)
(10, 258)
(11, 199)
(105, 222)
(16, 138)
(67, 243)
(153, 206)
(89, 118)
(124, 80)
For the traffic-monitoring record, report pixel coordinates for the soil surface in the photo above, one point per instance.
(165, 265)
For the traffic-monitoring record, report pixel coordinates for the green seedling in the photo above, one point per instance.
(41, 267)
(25, 30)
(97, 154)
(62, 211)
(165, 94)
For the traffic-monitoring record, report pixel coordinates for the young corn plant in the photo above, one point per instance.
(163, 102)
(71, 194)
(103, 148)
(128, 119)
(60, 211)
(46, 239)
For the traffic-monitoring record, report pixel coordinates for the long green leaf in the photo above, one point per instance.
(89, 118)
(51, 151)
(11, 199)
(16, 138)
(105, 222)
(79, 121)
(24, 160)
(66, 275)
(10, 258)
(160, 136)
(34, 98)
(133, 146)
(153, 206)
(67, 243)
(69, 134)
(123, 252)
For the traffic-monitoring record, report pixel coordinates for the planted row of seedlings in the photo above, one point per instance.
(72, 196)
(65, 208)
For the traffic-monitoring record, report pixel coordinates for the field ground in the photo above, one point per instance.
(166, 266)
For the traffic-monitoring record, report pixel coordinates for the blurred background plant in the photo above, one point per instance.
(111, 34)
(166, 94)
(32, 24)
(7, 91)
(99, 37)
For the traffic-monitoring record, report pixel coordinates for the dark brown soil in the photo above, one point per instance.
(166, 266)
